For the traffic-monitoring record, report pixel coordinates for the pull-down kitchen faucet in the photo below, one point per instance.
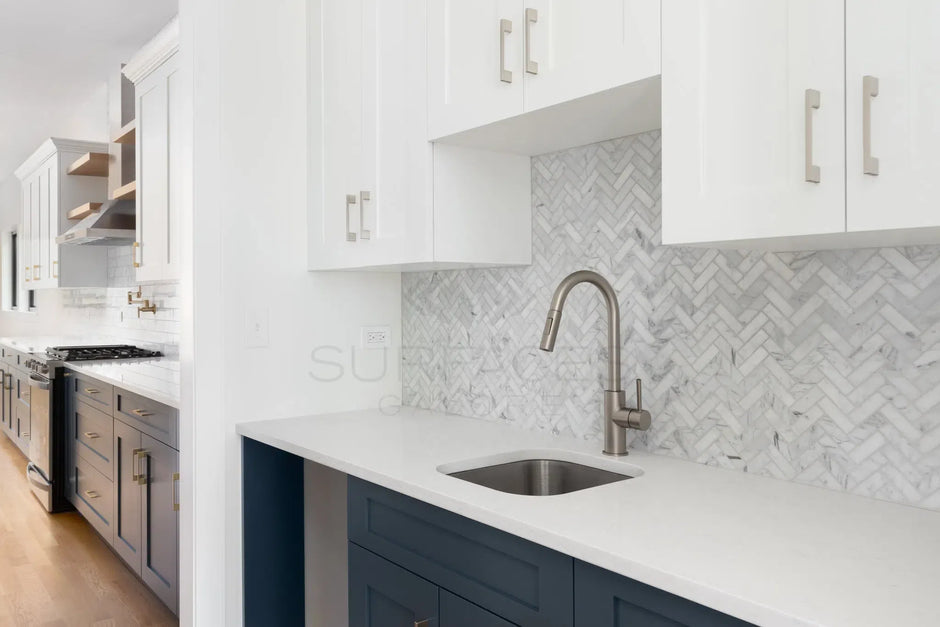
(617, 416)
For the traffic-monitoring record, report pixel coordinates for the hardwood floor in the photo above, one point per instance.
(55, 570)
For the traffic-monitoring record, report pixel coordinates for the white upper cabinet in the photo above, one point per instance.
(380, 195)
(154, 70)
(579, 48)
(801, 124)
(476, 68)
(492, 61)
(753, 119)
(48, 193)
(893, 97)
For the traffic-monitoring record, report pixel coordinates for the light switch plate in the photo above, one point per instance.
(256, 327)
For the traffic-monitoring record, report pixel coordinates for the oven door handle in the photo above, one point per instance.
(39, 382)
(42, 483)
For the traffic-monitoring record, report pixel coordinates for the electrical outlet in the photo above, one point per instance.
(376, 337)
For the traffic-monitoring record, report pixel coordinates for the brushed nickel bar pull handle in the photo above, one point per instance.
(505, 28)
(869, 91)
(174, 490)
(811, 102)
(350, 234)
(142, 413)
(91, 435)
(92, 391)
(364, 197)
(531, 17)
(92, 494)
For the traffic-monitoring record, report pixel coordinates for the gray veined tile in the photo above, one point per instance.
(822, 368)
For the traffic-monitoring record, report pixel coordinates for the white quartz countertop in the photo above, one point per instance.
(157, 379)
(770, 552)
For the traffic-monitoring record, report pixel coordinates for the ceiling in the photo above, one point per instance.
(56, 56)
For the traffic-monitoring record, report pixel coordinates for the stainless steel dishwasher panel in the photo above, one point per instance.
(40, 468)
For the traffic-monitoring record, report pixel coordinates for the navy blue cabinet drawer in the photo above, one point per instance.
(606, 599)
(382, 594)
(515, 579)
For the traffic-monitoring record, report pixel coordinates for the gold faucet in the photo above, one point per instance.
(133, 298)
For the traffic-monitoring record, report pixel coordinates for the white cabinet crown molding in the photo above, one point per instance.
(53, 145)
(154, 52)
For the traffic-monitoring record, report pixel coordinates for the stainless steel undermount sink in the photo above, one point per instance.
(539, 477)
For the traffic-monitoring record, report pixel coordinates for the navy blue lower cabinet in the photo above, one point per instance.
(457, 612)
(382, 594)
(520, 581)
(606, 599)
(273, 536)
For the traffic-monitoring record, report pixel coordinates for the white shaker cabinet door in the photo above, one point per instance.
(574, 49)
(892, 114)
(476, 73)
(394, 173)
(335, 130)
(753, 119)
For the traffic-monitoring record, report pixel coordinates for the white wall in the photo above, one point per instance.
(250, 253)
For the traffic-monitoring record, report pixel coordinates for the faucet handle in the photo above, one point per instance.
(639, 418)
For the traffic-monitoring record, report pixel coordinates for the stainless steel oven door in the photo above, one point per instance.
(39, 470)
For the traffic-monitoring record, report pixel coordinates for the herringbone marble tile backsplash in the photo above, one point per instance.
(823, 368)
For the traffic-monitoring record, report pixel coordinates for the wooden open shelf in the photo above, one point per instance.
(90, 164)
(125, 192)
(127, 134)
(84, 211)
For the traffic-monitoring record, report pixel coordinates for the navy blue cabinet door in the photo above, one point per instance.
(606, 599)
(458, 612)
(382, 594)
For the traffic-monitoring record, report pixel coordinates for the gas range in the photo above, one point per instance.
(42, 420)
(44, 363)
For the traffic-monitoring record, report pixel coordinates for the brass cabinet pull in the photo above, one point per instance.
(91, 435)
(36, 272)
(55, 265)
(423, 623)
(174, 491)
(91, 494)
(9, 377)
(27, 274)
(138, 455)
(143, 413)
(134, 252)
(92, 391)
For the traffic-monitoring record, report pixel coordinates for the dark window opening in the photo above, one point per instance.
(14, 282)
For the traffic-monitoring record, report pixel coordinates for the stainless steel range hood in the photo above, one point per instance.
(114, 224)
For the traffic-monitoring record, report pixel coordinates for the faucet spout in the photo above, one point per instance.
(617, 416)
(552, 322)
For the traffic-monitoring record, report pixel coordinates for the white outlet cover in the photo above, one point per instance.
(376, 337)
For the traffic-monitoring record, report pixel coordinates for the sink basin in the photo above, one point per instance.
(539, 477)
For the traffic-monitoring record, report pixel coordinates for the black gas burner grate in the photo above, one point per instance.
(91, 353)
